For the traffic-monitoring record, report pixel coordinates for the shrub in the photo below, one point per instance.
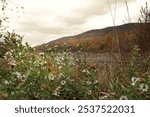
(45, 75)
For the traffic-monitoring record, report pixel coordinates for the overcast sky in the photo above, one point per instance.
(46, 20)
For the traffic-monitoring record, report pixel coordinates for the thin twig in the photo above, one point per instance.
(114, 30)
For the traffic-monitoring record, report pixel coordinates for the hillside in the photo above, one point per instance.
(105, 40)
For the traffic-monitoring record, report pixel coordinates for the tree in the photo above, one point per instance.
(3, 5)
(145, 14)
(4, 21)
(4, 18)
(142, 31)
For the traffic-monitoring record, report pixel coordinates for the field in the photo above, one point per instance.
(49, 74)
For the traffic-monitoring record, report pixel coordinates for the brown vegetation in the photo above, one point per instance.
(104, 40)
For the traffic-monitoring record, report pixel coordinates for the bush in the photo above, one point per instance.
(45, 75)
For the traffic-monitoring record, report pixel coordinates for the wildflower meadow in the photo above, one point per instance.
(48, 74)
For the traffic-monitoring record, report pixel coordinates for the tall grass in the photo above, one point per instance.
(53, 75)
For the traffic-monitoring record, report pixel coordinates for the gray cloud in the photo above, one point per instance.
(46, 28)
(88, 10)
(47, 23)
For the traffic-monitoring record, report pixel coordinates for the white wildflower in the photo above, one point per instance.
(6, 82)
(12, 51)
(12, 63)
(123, 98)
(64, 53)
(19, 53)
(63, 82)
(5, 57)
(55, 93)
(58, 88)
(55, 46)
(8, 55)
(89, 82)
(51, 77)
(60, 67)
(144, 87)
(89, 92)
(96, 81)
(86, 71)
(41, 54)
(12, 93)
(103, 97)
(134, 80)
(18, 75)
(60, 75)
(49, 49)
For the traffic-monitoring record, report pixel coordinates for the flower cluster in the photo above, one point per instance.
(8, 56)
(137, 82)
(144, 87)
